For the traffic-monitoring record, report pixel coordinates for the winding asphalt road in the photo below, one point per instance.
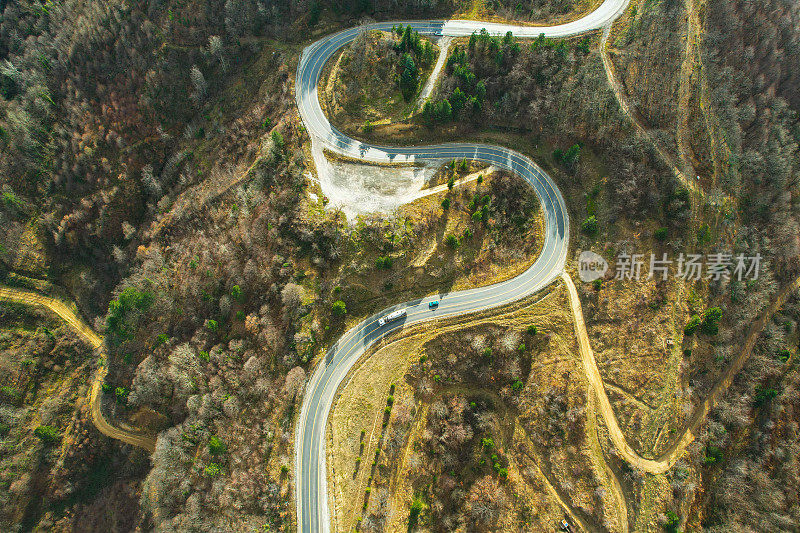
(310, 461)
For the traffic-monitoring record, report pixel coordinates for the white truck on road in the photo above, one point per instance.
(391, 317)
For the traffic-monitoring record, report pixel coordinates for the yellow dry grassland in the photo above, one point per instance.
(535, 13)
(380, 429)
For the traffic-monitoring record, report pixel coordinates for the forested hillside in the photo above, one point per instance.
(713, 88)
(755, 92)
(154, 169)
(153, 166)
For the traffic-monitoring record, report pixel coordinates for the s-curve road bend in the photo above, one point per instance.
(310, 462)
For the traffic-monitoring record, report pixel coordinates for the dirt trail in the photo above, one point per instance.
(198, 196)
(638, 124)
(691, 71)
(700, 413)
(596, 382)
(596, 452)
(511, 420)
(469, 178)
(427, 89)
(694, 84)
(676, 449)
(69, 315)
(685, 87)
(574, 514)
(630, 397)
(720, 151)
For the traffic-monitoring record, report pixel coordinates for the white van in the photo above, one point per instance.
(391, 317)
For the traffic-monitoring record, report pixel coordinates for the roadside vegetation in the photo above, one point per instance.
(476, 434)
(172, 203)
(550, 99)
(377, 77)
(153, 167)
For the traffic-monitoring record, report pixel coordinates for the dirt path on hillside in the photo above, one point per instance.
(199, 196)
(700, 413)
(676, 449)
(596, 452)
(685, 86)
(430, 83)
(720, 151)
(694, 84)
(69, 315)
(638, 124)
(596, 382)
